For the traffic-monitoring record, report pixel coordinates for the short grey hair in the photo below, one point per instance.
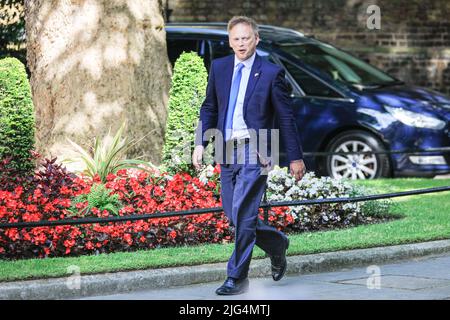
(243, 19)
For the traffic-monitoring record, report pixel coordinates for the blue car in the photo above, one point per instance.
(341, 103)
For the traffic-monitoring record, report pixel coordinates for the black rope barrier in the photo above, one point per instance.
(21, 225)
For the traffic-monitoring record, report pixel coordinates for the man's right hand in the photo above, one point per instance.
(197, 157)
(297, 169)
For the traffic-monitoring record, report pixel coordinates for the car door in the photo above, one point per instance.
(319, 108)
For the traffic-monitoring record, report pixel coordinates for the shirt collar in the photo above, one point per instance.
(247, 63)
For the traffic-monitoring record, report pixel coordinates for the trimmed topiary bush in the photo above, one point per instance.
(17, 122)
(185, 99)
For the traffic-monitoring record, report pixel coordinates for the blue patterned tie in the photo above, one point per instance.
(232, 102)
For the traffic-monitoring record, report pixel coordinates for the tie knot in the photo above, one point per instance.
(240, 65)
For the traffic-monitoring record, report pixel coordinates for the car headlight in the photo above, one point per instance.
(415, 119)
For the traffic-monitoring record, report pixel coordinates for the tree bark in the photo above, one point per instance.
(95, 64)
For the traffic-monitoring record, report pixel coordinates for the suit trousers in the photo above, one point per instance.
(242, 188)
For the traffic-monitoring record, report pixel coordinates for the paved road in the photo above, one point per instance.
(422, 278)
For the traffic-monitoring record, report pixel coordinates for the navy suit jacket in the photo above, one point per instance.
(267, 94)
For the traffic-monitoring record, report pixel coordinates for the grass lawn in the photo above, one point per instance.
(426, 217)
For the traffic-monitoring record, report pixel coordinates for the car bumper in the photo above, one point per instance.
(423, 164)
(404, 167)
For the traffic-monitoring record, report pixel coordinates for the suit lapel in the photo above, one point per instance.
(255, 74)
(224, 85)
(226, 81)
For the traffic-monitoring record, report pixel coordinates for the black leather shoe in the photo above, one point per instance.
(232, 286)
(279, 263)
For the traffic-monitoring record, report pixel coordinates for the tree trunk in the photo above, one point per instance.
(94, 64)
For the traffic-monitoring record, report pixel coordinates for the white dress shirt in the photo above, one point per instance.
(239, 127)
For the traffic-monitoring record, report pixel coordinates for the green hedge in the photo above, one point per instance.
(185, 99)
(17, 124)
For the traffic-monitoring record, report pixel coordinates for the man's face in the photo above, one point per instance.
(243, 41)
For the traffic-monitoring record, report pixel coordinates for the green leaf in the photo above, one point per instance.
(108, 157)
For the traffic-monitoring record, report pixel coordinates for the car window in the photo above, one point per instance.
(219, 49)
(310, 85)
(175, 48)
(338, 64)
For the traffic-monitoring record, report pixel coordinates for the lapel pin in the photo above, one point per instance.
(256, 74)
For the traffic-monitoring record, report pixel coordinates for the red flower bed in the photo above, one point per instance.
(278, 217)
(52, 190)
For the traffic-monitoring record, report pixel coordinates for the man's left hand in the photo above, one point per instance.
(298, 169)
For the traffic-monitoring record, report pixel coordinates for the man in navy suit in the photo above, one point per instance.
(243, 95)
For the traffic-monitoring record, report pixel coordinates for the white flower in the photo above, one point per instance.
(203, 179)
(283, 187)
(288, 183)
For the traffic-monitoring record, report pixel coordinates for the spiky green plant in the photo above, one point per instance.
(106, 157)
(99, 197)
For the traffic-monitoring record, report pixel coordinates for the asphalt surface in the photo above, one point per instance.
(425, 278)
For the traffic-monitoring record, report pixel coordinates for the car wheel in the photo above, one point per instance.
(356, 166)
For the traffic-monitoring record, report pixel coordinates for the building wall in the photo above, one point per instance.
(412, 44)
